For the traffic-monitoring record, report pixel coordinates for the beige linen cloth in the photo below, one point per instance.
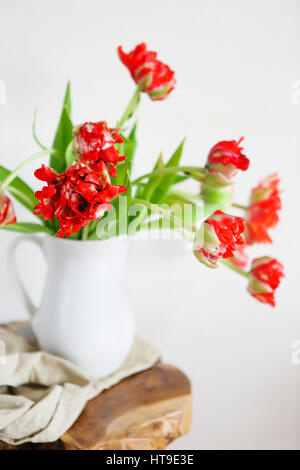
(42, 395)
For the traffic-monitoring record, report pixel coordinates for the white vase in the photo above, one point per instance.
(85, 315)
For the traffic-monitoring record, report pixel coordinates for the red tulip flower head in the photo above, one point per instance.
(223, 162)
(94, 143)
(152, 76)
(7, 211)
(262, 215)
(219, 237)
(265, 277)
(75, 197)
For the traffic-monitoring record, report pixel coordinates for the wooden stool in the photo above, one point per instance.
(148, 410)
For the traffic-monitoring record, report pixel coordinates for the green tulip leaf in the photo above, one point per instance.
(26, 227)
(147, 191)
(168, 180)
(127, 148)
(63, 136)
(20, 190)
(70, 155)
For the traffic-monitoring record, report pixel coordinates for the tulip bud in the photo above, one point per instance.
(151, 75)
(7, 211)
(219, 237)
(223, 162)
(264, 279)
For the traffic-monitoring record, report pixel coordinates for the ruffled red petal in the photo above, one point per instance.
(45, 174)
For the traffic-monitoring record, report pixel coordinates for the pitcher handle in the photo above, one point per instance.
(14, 273)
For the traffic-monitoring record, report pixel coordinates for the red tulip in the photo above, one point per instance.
(262, 215)
(94, 142)
(153, 76)
(75, 197)
(264, 279)
(223, 162)
(221, 236)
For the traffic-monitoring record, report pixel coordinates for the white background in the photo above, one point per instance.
(236, 63)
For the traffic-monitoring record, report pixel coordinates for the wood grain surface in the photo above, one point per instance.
(148, 410)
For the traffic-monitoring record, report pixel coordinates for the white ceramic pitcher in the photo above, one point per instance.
(85, 314)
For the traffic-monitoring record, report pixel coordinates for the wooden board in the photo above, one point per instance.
(145, 411)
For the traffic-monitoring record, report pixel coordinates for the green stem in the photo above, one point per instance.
(23, 165)
(166, 214)
(43, 147)
(133, 103)
(186, 195)
(212, 195)
(235, 268)
(240, 206)
(170, 170)
(85, 233)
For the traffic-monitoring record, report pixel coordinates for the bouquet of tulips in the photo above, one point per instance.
(89, 179)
